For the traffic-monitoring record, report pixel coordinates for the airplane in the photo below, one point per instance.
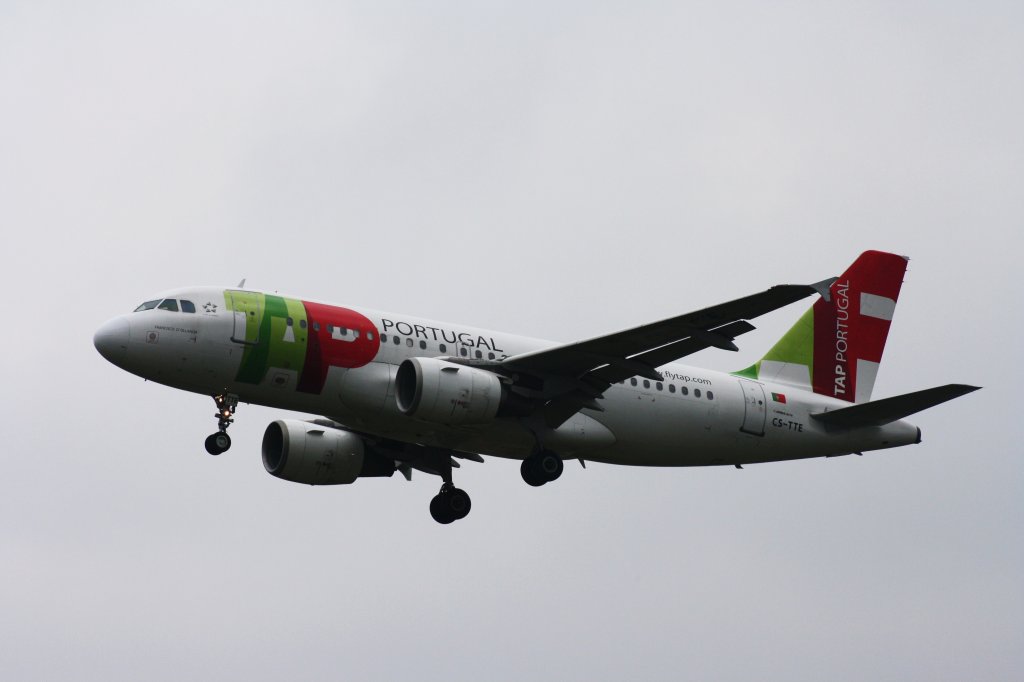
(400, 393)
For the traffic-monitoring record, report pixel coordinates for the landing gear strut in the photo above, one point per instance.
(541, 468)
(219, 442)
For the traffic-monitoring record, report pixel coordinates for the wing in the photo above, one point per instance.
(572, 376)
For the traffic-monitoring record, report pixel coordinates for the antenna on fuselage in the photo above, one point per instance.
(241, 285)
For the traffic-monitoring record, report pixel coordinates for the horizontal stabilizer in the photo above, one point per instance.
(879, 412)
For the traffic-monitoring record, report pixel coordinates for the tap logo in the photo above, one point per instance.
(210, 307)
(298, 336)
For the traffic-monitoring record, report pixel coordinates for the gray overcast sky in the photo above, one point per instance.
(553, 169)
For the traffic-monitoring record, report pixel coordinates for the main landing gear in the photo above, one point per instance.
(541, 468)
(451, 504)
(219, 442)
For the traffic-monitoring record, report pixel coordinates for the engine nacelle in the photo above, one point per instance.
(309, 453)
(446, 393)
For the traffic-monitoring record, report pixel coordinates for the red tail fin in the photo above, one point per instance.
(850, 330)
(835, 348)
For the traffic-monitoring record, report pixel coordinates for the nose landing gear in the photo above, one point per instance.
(219, 442)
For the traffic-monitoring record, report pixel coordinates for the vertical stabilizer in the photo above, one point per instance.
(835, 348)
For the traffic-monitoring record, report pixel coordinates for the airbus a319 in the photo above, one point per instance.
(400, 393)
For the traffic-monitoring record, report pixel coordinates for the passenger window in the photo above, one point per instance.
(302, 324)
(490, 356)
(408, 342)
(444, 348)
(711, 396)
(684, 390)
(632, 382)
(671, 388)
(396, 340)
(355, 333)
(383, 338)
(187, 306)
(423, 345)
(462, 352)
(647, 384)
(369, 335)
(479, 355)
(658, 385)
(148, 305)
(696, 393)
(168, 304)
(316, 326)
(330, 329)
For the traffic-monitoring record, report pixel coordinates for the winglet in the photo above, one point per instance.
(824, 288)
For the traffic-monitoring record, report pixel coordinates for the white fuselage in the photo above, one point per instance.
(693, 417)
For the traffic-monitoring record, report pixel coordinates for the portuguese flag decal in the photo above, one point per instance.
(779, 398)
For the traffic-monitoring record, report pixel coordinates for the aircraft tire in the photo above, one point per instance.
(458, 503)
(550, 465)
(440, 510)
(532, 473)
(217, 443)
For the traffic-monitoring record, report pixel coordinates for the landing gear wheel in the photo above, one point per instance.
(451, 504)
(531, 473)
(541, 468)
(551, 465)
(459, 503)
(218, 442)
(437, 510)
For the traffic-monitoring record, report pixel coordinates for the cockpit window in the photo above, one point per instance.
(189, 306)
(168, 304)
(148, 305)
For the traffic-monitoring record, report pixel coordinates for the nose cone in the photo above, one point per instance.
(111, 340)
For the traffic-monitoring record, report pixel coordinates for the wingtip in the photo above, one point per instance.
(824, 288)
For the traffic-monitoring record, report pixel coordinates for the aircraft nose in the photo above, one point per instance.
(111, 340)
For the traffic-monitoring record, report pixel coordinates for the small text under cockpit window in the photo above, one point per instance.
(187, 306)
(168, 304)
(148, 305)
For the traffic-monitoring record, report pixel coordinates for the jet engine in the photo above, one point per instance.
(443, 392)
(306, 452)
